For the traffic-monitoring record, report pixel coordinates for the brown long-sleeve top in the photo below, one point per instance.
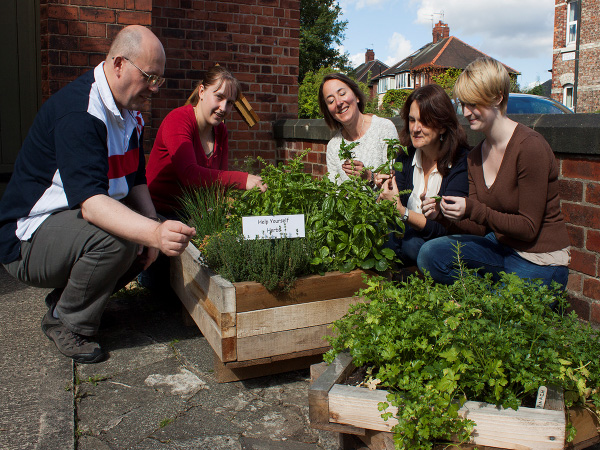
(522, 206)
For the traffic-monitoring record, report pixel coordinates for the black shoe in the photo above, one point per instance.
(71, 344)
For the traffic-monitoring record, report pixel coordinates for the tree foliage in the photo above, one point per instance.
(320, 31)
(308, 94)
(393, 101)
(447, 79)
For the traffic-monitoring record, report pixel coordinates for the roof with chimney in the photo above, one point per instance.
(444, 52)
(372, 65)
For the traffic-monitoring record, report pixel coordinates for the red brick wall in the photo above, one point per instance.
(580, 195)
(76, 35)
(257, 40)
(588, 92)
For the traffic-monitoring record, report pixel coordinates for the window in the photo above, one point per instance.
(568, 95)
(403, 80)
(572, 15)
(384, 84)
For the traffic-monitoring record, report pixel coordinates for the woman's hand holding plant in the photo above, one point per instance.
(453, 207)
(430, 207)
(389, 191)
(255, 181)
(356, 168)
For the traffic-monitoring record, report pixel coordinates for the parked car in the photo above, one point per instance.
(531, 104)
(534, 104)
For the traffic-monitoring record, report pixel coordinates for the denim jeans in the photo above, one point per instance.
(407, 248)
(438, 257)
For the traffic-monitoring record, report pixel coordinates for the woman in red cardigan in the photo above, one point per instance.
(191, 146)
(513, 193)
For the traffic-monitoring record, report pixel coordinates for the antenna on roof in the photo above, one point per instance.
(440, 14)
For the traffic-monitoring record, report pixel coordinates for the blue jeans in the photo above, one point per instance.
(407, 248)
(438, 257)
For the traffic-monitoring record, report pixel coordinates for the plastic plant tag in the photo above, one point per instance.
(540, 401)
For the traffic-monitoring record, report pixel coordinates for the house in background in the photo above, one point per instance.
(443, 53)
(370, 68)
(575, 67)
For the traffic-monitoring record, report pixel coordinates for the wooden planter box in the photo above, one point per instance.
(353, 410)
(252, 329)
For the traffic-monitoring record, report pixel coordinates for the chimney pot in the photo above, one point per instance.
(369, 55)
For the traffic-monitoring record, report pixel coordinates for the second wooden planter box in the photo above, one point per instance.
(247, 326)
(347, 409)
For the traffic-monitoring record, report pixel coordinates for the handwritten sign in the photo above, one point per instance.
(273, 227)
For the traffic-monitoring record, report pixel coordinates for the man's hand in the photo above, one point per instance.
(147, 255)
(172, 237)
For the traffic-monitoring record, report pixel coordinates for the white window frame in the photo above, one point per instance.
(567, 99)
(571, 38)
(403, 80)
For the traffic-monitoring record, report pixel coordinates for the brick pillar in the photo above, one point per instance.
(258, 41)
(580, 204)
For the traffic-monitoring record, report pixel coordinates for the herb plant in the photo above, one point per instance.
(346, 153)
(434, 347)
(346, 226)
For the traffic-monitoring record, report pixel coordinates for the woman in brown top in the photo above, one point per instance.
(513, 209)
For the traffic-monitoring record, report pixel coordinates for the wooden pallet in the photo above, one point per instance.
(253, 331)
(353, 410)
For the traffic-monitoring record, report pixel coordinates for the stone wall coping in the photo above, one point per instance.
(566, 133)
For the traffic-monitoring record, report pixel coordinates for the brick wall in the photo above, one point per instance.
(576, 143)
(563, 64)
(258, 40)
(76, 35)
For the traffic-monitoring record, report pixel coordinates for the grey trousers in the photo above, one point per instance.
(69, 253)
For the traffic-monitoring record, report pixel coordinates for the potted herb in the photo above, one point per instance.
(434, 347)
(246, 295)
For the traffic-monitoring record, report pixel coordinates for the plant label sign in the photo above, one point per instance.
(273, 227)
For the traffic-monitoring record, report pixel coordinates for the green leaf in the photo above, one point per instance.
(368, 264)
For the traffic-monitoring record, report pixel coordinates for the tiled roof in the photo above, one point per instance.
(376, 67)
(446, 53)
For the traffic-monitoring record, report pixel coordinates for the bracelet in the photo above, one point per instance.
(156, 219)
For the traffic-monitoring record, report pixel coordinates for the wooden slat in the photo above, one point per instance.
(225, 373)
(253, 296)
(291, 317)
(246, 111)
(527, 428)
(214, 287)
(282, 342)
(318, 390)
(223, 341)
(586, 424)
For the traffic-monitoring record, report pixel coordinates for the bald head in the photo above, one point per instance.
(134, 40)
(134, 54)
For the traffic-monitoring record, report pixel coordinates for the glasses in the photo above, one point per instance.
(152, 80)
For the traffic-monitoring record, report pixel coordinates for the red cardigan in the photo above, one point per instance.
(178, 160)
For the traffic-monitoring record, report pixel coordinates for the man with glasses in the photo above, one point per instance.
(76, 215)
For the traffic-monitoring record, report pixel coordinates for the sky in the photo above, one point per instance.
(519, 33)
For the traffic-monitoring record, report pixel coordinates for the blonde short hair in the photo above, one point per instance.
(483, 82)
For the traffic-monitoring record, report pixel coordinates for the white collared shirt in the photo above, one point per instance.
(434, 183)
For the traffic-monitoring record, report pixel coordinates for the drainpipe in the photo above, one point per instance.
(576, 81)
